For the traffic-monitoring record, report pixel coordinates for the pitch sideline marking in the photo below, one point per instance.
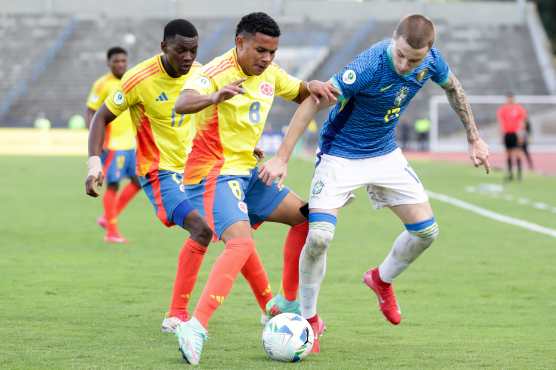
(497, 191)
(493, 215)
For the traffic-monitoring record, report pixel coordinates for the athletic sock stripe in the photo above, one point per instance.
(420, 226)
(426, 233)
(322, 217)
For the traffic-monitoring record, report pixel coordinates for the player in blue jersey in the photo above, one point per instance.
(358, 148)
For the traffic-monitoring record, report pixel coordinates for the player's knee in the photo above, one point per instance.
(200, 231)
(113, 186)
(321, 233)
(318, 241)
(202, 235)
(427, 231)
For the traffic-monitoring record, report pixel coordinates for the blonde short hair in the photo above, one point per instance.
(417, 30)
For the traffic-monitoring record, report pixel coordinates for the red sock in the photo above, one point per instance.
(256, 276)
(189, 262)
(292, 250)
(222, 276)
(125, 196)
(109, 200)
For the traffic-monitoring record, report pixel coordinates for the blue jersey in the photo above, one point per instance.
(374, 95)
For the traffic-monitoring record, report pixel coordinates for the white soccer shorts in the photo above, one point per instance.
(389, 181)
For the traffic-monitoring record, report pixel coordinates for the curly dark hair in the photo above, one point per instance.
(258, 22)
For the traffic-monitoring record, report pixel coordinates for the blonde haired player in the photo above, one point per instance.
(358, 148)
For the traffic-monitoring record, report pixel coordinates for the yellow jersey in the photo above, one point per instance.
(163, 137)
(227, 133)
(120, 134)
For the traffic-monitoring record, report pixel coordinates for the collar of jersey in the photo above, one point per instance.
(236, 62)
(161, 65)
(391, 62)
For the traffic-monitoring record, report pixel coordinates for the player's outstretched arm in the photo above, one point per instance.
(319, 91)
(190, 101)
(478, 149)
(277, 167)
(95, 176)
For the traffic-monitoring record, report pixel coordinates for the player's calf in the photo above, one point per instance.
(312, 263)
(407, 247)
(421, 236)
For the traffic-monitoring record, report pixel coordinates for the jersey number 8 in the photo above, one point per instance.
(236, 188)
(255, 112)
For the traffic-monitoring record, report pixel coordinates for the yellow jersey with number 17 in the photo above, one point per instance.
(227, 133)
(163, 137)
(120, 134)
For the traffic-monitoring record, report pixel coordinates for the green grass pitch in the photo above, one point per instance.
(483, 296)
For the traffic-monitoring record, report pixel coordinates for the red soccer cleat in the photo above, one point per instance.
(115, 238)
(101, 221)
(318, 329)
(385, 294)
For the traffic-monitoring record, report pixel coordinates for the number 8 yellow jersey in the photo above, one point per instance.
(227, 133)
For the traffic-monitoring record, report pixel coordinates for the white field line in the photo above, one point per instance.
(498, 193)
(493, 215)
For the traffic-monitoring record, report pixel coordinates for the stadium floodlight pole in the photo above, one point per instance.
(436, 100)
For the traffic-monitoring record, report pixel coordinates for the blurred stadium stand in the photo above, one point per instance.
(489, 47)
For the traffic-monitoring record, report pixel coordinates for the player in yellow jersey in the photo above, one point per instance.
(149, 91)
(118, 155)
(233, 95)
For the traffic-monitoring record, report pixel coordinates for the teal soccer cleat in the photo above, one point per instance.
(278, 304)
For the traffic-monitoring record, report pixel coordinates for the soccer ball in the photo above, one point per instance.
(288, 337)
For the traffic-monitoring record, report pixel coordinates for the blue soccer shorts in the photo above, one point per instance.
(118, 164)
(226, 199)
(167, 195)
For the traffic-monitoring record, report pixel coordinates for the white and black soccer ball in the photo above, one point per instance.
(288, 337)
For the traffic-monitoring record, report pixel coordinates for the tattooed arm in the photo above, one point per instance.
(478, 149)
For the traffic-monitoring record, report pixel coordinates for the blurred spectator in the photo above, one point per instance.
(525, 143)
(42, 122)
(511, 117)
(422, 129)
(76, 122)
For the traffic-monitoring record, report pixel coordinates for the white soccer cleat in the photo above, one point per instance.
(191, 337)
(169, 324)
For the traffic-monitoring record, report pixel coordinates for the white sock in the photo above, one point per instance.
(311, 275)
(312, 266)
(407, 247)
